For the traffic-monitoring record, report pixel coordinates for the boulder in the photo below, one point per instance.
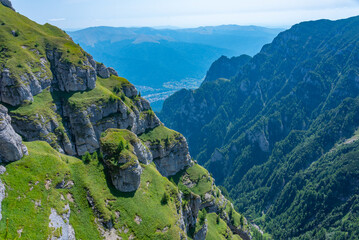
(102, 70)
(126, 179)
(11, 147)
(112, 71)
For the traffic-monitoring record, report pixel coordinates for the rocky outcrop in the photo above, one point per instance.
(112, 71)
(70, 77)
(88, 124)
(126, 179)
(14, 90)
(172, 157)
(190, 210)
(143, 154)
(201, 234)
(11, 147)
(123, 152)
(7, 3)
(102, 70)
(60, 225)
(45, 128)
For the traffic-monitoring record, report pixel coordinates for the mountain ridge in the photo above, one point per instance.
(263, 129)
(83, 156)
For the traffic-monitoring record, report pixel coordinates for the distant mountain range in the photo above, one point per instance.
(161, 61)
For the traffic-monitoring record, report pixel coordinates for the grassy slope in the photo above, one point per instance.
(25, 183)
(21, 53)
(160, 135)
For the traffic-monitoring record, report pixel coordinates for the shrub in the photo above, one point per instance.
(218, 219)
(95, 156)
(86, 158)
(165, 198)
(120, 147)
(100, 156)
(202, 216)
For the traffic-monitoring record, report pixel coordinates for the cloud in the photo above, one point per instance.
(57, 19)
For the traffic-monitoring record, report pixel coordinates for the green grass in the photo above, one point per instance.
(104, 92)
(21, 54)
(200, 176)
(43, 104)
(44, 163)
(145, 202)
(110, 143)
(217, 231)
(160, 135)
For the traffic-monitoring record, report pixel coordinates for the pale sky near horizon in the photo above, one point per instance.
(75, 14)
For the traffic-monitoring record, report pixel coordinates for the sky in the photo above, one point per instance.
(77, 14)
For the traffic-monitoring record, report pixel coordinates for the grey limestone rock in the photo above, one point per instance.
(14, 91)
(112, 71)
(126, 179)
(190, 210)
(124, 167)
(69, 77)
(88, 124)
(172, 158)
(202, 233)
(11, 147)
(102, 70)
(62, 223)
(143, 154)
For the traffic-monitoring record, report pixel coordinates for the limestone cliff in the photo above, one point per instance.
(11, 147)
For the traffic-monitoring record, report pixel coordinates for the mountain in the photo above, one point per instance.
(161, 61)
(281, 133)
(83, 156)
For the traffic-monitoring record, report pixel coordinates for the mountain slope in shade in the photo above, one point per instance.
(280, 134)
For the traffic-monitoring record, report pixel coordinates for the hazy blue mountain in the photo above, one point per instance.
(161, 61)
(282, 134)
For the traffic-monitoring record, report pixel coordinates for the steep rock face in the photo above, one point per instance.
(75, 130)
(15, 91)
(171, 157)
(11, 147)
(71, 77)
(54, 71)
(201, 234)
(190, 210)
(226, 67)
(88, 124)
